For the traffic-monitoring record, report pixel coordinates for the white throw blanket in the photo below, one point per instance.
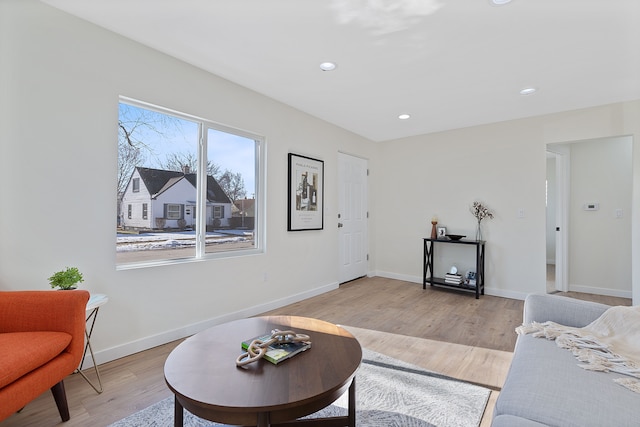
(610, 343)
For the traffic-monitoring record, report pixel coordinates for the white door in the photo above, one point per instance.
(563, 190)
(560, 215)
(352, 217)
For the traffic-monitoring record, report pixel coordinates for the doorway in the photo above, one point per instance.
(589, 193)
(353, 237)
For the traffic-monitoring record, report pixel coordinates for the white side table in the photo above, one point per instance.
(93, 305)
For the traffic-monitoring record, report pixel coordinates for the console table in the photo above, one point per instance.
(429, 249)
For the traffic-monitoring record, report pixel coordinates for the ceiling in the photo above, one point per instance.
(447, 63)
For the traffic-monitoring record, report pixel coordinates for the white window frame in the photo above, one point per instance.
(174, 211)
(218, 211)
(200, 208)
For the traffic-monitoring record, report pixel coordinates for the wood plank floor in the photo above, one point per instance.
(441, 330)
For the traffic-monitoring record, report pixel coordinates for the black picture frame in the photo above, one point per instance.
(306, 193)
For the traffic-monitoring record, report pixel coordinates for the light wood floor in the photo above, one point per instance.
(444, 331)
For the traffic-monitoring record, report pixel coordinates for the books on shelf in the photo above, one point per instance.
(278, 352)
(453, 279)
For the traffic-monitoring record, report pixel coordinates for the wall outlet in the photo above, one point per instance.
(520, 213)
(617, 213)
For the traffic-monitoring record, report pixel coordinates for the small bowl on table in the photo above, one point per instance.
(454, 236)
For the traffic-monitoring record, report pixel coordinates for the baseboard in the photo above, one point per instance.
(505, 293)
(600, 291)
(404, 277)
(113, 353)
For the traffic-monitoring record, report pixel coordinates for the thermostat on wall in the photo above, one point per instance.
(591, 206)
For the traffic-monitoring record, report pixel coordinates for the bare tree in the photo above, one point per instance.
(135, 125)
(128, 158)
(178, 161)
(232, 184)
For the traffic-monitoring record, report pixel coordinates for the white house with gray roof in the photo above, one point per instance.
(156, 198)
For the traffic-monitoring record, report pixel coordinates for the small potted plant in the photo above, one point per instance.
(66, 279)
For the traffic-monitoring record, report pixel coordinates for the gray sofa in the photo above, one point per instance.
(546, 387)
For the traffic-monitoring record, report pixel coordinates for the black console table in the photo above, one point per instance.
(429, 249)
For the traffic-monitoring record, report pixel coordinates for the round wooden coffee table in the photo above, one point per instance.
(203, 375)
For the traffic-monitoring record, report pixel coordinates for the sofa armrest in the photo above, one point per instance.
(563, 310)
(61, 311)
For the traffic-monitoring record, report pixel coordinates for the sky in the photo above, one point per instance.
(233, 152)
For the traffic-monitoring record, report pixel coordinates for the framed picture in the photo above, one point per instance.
(306, 193)
(471, 278)
(442, 231)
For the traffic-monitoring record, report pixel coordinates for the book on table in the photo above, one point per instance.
(453, 279)
(278, 352)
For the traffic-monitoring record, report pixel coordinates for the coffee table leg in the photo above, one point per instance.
(352, 403)
(263, 419)
(178, 416)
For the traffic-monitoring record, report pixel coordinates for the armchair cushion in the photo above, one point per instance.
(29, 350)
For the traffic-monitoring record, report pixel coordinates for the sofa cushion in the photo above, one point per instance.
(22, 352)
(546, 385)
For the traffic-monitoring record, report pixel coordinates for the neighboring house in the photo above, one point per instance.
(244, 214)
(244, 207)
(156, 198)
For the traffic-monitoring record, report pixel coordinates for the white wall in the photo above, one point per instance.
(503, 165)
(600, 242)
(61, 78)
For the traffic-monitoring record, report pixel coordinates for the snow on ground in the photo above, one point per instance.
(178, 239)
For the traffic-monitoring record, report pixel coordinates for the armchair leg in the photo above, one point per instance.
(60, 397)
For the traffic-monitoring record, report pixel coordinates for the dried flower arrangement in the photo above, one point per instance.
(480, 212)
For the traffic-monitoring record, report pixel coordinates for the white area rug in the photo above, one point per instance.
(389, 393)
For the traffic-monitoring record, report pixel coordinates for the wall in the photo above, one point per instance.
(600, 242)
(60, 82)
(502, 165)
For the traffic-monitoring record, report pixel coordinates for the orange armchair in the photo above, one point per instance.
(41, 342)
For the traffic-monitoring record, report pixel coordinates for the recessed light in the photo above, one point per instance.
(500, 2)
(328, 66)
(528, 91)
(404, 116)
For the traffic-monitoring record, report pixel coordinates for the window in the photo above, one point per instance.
(173, 211)
(184, 177)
